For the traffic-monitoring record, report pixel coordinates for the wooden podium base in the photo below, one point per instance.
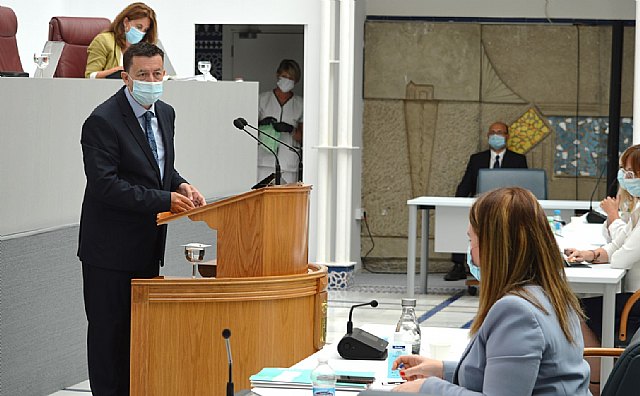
(177, 346)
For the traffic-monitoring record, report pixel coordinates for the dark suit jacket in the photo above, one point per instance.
(124, 192)
(477, 161)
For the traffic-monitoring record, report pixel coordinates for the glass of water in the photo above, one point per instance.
(42, 61)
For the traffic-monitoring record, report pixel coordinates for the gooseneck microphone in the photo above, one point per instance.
(226, 333)
(295, 150)
(238, 123)
(372, 303)
(593, 216)
(361, 345)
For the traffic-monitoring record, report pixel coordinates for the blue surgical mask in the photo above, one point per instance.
(474, 269)
(134, 36)
(620, 177)
(631, 185)
(497, 141)
(146, 93)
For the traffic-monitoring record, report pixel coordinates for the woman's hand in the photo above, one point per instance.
(578, 256)
(416, 367)
(411, 387)
(610, 207)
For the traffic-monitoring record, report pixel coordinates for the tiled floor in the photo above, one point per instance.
(447, 305)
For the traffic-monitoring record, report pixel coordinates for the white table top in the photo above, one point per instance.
(457, 337)
(581, 235)
(467, 202)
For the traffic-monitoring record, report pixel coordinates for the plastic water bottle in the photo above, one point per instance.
(557, 222)
(408, 325)
(323, 379)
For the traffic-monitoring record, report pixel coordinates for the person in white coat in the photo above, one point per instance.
(622, 251)
(280, 113)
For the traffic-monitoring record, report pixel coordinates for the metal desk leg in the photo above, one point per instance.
(424, 251)
(411, 250)
(608, 316)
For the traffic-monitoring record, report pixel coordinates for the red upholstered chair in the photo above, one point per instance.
(77, 33)
(9, 56)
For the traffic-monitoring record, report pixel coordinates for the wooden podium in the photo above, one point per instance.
(266, 293)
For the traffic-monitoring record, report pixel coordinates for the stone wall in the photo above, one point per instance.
(432, 90)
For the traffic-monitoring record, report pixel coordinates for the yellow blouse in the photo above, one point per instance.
(102, 54)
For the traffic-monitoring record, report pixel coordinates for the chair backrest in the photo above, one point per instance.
(625, 376)
(534, 180)
(77, 33)
(9, 56)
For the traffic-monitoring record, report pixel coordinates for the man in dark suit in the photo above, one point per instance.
(496, 157)
(128, 153)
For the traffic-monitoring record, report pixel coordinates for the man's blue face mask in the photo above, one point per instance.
(497, 141)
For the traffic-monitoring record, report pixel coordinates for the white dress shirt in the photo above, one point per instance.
(139, 111)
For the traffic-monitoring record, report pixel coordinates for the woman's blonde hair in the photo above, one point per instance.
(627, 201)
(131, 12)
(517, 248)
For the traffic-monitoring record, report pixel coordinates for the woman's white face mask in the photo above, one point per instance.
(285, 84)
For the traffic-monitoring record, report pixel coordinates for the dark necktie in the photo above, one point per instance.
(496, 165)
(149, 132)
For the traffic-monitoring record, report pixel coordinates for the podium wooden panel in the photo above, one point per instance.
(177, 346)
(262, 232)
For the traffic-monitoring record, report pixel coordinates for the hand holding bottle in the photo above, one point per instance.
(413, 367)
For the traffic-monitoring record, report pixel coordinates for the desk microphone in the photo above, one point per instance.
(295, 150)
(238, 123)
(226, 333)
(359, 344)
(372, 303)
(593, 216)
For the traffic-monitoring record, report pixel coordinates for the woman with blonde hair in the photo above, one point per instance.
(525, 339)
(137, 22)
(622, 251)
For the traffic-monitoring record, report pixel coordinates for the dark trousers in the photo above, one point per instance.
(459, 258)
(592, 307)
(107, 304)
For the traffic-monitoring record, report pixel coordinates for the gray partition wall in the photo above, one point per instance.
(42, 319)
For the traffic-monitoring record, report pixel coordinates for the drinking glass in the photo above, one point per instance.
(41, 60)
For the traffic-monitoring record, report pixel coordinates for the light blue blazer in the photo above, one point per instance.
(518, 350)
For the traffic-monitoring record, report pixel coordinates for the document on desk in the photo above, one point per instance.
(273, 377)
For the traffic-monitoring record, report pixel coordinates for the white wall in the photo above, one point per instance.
(176, 25)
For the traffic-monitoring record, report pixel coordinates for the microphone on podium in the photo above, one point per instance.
(238, 123)
(359, 344)
(295, 150)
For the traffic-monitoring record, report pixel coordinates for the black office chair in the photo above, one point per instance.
(624, 379)
(534, 180)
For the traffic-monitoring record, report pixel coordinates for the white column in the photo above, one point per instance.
(636, 83)
(324, 176)
(343, 171)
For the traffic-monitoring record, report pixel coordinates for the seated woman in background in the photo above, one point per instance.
(622, 251)
(525, 339)
(137, 22)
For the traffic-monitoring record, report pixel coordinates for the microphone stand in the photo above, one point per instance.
(240, 125)
(594, 216)
(226, 333)
(372, 303)
(295, 150)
